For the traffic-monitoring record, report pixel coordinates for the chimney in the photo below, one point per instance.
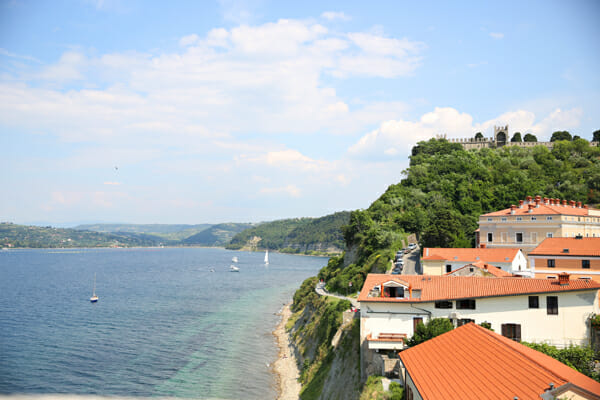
(546, 200)
(563, 279)
(520, 203)
(512, 209)
(531, 207)
(572, 203)
(528, 198)
(578, 204)
(585, 206)
(538, 199)
(564, 203)
(482, 245)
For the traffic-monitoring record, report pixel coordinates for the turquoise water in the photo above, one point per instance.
(165, 326)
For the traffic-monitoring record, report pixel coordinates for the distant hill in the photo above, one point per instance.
(216, 235)
(297, 235)
(170, 233)
(13, 235)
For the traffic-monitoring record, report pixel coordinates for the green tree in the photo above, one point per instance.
(516, 137)
(431, 329)
(478, 136)
(596, 136)
(529, 138)
(561, 135)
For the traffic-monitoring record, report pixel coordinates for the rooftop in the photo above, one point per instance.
(568, 247)
(434, 288)
(472, 362)
(546, 206)
(486, 255)
(495, 271)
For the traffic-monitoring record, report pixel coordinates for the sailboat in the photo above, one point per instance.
(267, 257)
(94, 298)
(234, 259)
(233, 268)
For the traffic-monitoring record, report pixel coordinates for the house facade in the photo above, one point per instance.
(526, 225)
(534, 310)
(447, 367)
(440, 261)
(579, 257)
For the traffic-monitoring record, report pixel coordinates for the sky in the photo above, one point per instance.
(255, 110)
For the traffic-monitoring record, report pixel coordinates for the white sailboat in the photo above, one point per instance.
(233, 268)
(267, 257)
(234, 259)
(94, 298)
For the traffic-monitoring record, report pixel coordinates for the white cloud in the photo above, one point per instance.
(189, 40)
(395, 138)
(497, 35)
(112, 183)
(288, 190)
(333, 15)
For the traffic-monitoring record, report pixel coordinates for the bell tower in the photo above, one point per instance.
(500, 135)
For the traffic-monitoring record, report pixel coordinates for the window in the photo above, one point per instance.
(549, 234)
(409, 393)
(503, 219)
(552, 305)
(443, 304)
(489, 220)
(533, 237)
(550, 263)
(416, 321)
(519, 237)
(467, 304)
(548, 218)
(585, 263)
(490, 237)
(512, 331)
(534, 302)
(463, 321)
(533, 218)
(391, 291)
(448, 268)
(519, 218)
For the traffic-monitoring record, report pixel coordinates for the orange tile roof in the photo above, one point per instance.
(487, 267)
(443, 287)
(486, 255)
(472, 362)
(542, 209)
(577, 247)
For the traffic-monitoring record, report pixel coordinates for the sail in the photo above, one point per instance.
(267, 256)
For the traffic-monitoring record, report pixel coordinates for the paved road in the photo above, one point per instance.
(412, 262)
(321, 291)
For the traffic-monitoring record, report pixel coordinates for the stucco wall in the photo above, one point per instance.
(569, 326)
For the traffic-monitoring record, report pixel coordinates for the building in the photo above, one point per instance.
(554, 311)
(479, 269)
(579, 257)
(472, 362)
(440, 261)
(535, 219)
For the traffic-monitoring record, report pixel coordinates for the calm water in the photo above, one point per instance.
(164, 325)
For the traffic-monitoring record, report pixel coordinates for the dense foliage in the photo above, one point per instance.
(580, 358)
(13, 235)
(170, 233)
(434, 327)
(298, 235)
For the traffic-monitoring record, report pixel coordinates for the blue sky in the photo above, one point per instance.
(246, 111)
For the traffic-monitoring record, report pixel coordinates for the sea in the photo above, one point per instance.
(169, 323)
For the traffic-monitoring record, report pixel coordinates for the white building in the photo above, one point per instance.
(439, 261)
(554, 311)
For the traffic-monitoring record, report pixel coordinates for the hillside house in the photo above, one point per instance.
(579, 257)
(479, 269)
(472, 362)
(554, 311)
(440, 261)
(526, 225)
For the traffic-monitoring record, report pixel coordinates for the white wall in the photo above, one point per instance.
(569, 326)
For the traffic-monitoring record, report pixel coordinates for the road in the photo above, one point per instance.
(321, 291)
(412, 262)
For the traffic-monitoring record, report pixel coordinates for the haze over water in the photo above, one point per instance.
(164, 325)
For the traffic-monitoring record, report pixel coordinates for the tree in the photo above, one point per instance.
(530, 138)
(516, 137)
(561, 135)
(433, 328)
(479, 136)
(596, 136)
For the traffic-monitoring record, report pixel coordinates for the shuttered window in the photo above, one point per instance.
(512, 331)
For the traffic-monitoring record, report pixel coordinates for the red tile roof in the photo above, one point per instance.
(486, 255)
(443, 287)
(542, 209)
(472, 362)
(577, 247)
(497, 272)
